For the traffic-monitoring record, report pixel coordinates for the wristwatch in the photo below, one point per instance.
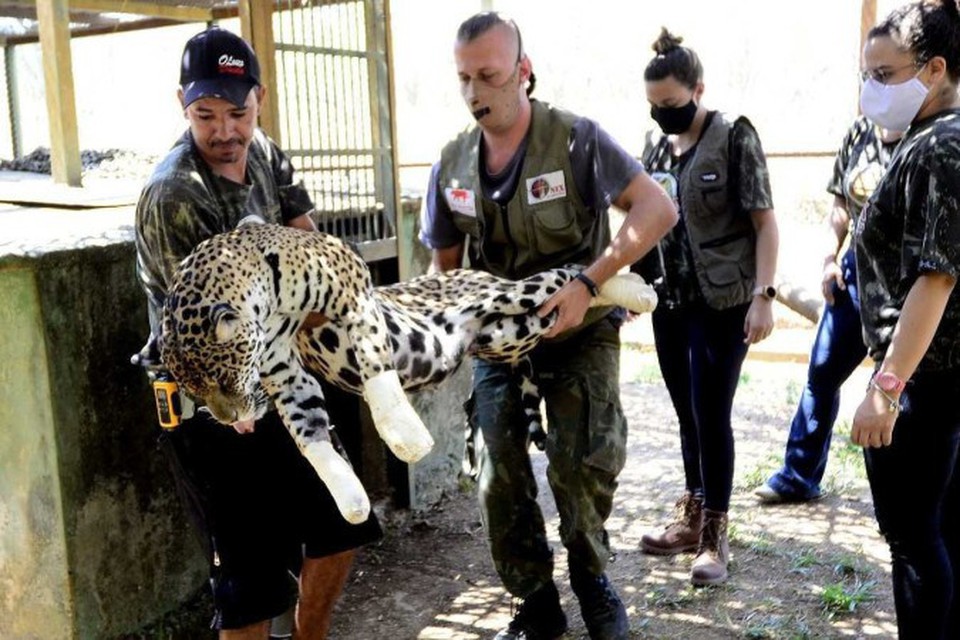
(889, 382)
(767, 291)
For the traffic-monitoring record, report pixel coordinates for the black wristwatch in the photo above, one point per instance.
(767, 291)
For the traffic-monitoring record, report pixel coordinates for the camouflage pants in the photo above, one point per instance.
(586, 450)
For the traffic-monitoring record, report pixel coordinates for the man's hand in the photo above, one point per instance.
(570, 303)
(758, 324)
(873, 422)
(832, 275)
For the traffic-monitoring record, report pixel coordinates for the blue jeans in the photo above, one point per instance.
(701, 351)
(916, 499)
(836, 352)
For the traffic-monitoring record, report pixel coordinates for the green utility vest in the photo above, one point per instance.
(545, 224)
(722, 238)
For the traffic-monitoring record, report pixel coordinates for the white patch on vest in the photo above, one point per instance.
(461, 201)
(668, 182)
(709, 177)
(546, 187)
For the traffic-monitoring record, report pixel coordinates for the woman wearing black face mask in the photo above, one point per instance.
(714, 274)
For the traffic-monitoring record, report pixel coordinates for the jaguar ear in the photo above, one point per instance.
(226, 322)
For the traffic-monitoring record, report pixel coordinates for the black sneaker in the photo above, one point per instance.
(539, 617)
(602, 610)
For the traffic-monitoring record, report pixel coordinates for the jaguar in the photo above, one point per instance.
(255, 316)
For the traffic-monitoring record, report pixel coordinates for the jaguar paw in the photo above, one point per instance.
(338, 476)
(397, 423)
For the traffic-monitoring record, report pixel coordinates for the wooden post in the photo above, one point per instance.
(53, 17)
(256, 27)
(868, 18)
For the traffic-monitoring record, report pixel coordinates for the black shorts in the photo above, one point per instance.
(258, 508)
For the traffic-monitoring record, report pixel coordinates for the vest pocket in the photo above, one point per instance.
(711, 193)
(728, 263)
(554, 228)
(470, 225)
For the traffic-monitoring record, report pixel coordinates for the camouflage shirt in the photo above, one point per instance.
(909, 227)
(670, 266)
(859, 165)
(184, 203)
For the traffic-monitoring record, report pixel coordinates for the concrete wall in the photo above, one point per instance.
(92, 540)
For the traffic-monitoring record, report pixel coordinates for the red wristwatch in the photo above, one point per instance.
(889, 382)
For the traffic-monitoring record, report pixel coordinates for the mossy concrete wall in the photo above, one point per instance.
(93, 542)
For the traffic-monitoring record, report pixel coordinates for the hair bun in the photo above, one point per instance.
(667, 42)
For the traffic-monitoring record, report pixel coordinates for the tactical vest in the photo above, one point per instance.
(722, 237)
(545, 224)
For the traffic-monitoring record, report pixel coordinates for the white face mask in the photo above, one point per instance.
(892, 106)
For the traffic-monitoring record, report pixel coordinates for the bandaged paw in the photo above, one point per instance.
(397, 423)
(338, 476)
(627, 290)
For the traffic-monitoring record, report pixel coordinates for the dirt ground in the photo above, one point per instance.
(816, 570)
(803, 571)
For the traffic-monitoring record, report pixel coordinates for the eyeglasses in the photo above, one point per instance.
(883, 75)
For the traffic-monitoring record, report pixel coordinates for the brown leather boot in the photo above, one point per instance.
(710, 565)
(682, 534)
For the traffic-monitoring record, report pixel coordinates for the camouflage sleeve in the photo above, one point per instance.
(940, 246)
(842, 160)
(294, 198)
(170, 222)
(748, 168)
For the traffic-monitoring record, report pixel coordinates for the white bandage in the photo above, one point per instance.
(339, 478)
(627, 290)
(396, 421)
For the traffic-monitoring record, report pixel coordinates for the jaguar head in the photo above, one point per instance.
(214, 352)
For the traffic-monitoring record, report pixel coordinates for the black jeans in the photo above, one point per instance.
(701, 351)
(917, 504)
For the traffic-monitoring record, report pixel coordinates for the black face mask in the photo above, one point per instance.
(673, 120)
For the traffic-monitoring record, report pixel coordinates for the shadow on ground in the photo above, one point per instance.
(802, 571)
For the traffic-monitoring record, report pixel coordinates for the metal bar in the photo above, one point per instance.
(334, 51)
(13, 100)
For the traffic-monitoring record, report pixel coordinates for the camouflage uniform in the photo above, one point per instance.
(256, 503)
(578, 372)
(184, 203)
(911, 227)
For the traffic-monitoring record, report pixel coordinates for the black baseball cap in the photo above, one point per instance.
(218, 64)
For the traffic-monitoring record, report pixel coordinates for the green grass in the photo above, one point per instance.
(663, 598)
(758, 474)
(775, 627)
(805, 560)
(840, 598)
(792, 392)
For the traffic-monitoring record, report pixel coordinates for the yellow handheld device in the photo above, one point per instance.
(169, 409)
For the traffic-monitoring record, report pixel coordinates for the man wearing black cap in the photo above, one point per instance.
(260, 509)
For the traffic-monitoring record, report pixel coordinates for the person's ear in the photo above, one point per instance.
(526, 70)
(180, 100)
(698, 92)
(261, 96)
(936, 69)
